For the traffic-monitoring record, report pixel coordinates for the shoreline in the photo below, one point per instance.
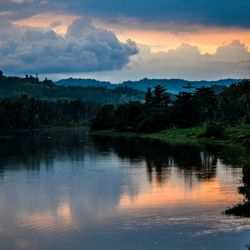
(234, 136)
(44, 129)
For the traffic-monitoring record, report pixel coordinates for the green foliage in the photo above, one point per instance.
(214, 130)
(29, 113)
(149, 97)
(104, 118)
(186, 110)
(123, 108)
(161, 98)
(13, 87)
(206, 104)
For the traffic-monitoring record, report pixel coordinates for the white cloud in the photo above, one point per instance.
(84, 48)
(231, 60)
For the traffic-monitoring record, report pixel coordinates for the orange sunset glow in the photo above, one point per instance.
(50, 220)
(59, 22)
(173, 193)
(207, 39)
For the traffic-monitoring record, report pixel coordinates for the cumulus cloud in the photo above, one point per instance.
(231, 60)
(84, 48)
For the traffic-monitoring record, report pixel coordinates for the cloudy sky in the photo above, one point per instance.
(120, 40)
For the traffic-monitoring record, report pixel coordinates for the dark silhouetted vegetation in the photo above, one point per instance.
(173, 85)
(13, 87)
(243, 209)
(160, 111)
(29, 113)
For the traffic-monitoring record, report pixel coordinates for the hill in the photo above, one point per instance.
(172, 85)
(83, 83)
(11, 87)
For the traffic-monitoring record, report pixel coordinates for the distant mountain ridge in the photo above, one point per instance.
(172, 85)
(102, 92)
(80, 82)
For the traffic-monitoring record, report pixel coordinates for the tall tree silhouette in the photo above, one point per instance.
(206, 103)
(161, 96)
(148, 97)
(246, 88)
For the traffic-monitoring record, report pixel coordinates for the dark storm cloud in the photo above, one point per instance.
(206, 12)
(84, 48)
(203, 12)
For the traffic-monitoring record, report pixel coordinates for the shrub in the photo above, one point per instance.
(214, 130)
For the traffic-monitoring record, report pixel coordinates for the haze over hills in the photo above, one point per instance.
(172, 85)
(91, 90)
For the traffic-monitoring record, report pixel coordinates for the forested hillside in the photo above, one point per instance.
(30, 86)
(159, 111)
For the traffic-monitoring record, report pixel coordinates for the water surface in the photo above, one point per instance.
(68, 190)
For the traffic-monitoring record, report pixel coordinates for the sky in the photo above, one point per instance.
(119, 40)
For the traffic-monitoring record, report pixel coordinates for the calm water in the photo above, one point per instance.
(67, 190)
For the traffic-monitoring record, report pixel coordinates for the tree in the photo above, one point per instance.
(127, 116)
(148, 97)
(246, 88)
(206, 103)
(184, 111)
(104, 118)
(161, 97)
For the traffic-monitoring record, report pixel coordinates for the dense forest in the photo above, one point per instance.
(203, 106)
(31, 86)
(30, 103)
(29, 113)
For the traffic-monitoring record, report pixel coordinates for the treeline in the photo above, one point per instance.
(13, 87)
(29, 113)
(159, 111)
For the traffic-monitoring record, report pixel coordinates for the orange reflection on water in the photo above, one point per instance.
(50, 220)
(174, 192)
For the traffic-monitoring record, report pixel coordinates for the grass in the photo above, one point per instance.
(231, 137)
(187, 135)
(239, 135)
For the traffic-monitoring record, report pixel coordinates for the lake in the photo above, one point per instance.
(70, 190)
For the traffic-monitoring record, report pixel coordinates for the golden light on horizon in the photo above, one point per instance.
(57, 22)
(207, 39)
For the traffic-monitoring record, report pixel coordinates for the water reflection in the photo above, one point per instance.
(61, 217)
(71, 191)
(192, 161)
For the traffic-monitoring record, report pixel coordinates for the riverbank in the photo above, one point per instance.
(46, 129)
(231, 135)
